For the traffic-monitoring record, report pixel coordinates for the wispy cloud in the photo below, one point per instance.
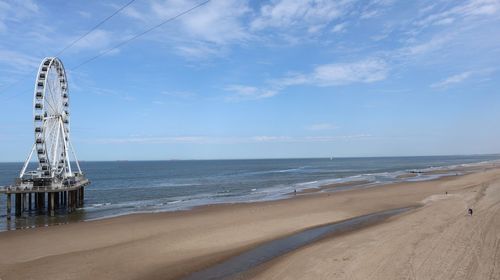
(227, 140)
(15, 11)
(17, 60)
(334, 74)
(454, 79)
(464, 10)
(179, 94)
(97, 40)
(421, 48)
(205, 32)
(341, 27)
(365, 71)
(302, 14)
(322, 127)
(242, 92)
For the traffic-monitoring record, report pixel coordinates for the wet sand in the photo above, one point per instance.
(436, 240)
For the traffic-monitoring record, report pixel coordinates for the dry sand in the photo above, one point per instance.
(437, 241)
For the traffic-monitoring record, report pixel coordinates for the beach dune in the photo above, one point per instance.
(435, 241)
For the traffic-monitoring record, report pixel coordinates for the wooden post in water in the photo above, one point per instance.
(18, 204)
(56, 199)
(79, 193)
(65, 199)
(8, 206)
(25, 202)
(48, 202)
(75, 199)
(52, 203)
(70, 201)
(41, 201)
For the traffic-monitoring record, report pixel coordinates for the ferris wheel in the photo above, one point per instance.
(51, 117)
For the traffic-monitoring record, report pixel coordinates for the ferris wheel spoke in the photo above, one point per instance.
(53, 145)
(48, 95)
(50, 105)
(52, 98)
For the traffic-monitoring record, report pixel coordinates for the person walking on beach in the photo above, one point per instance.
(470, 211)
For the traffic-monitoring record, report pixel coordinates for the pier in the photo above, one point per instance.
(45, 196)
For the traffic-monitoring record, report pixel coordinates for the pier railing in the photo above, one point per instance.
(30, 187)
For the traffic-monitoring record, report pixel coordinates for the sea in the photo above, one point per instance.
(125, 187)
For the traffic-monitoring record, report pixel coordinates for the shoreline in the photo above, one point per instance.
(344, 184)
(174, 244)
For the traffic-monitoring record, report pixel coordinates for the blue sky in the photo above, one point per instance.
(260, 79)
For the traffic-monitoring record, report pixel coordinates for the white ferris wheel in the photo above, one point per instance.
(51, 117)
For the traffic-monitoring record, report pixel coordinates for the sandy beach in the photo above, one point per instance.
(435, 241)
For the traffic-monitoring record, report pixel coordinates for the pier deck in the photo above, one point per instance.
(45, 196)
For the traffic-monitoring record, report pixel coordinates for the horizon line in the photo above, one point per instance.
(274, 158)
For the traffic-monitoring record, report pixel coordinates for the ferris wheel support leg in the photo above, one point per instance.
(55, 149)
(27, 162)
(74, 155)
(66, 149)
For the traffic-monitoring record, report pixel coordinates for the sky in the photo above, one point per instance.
(259, 79)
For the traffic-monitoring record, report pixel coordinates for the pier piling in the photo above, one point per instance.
(8, 206)
(18, 204)
(52, 203)
(44, 199)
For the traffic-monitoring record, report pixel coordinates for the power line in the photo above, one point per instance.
(141, 34)
(72, 43)
(95, 27)
(125, 41)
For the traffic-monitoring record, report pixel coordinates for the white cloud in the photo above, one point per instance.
(217, 22)
(364, 71)
(226, 140)
(287, 13)
(179, 94)
(18, 61)
(455, 79)
(206, 32)
(242, 92)
(433, 44)
(198, 50)
(464, 10)
(339, 27)
(445, 21)
(12, 12)
(370, 14)
(99, 39)
(322, 127)
(132, 12)
(85, 14)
